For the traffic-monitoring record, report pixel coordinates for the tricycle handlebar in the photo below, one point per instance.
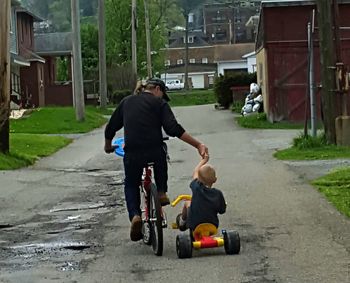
(180, 198)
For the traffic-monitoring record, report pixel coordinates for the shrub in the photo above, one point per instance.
(118, 95)
(306, 142)
(223, 84)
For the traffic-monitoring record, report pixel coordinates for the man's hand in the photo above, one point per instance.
(203, 150)
(108, 147)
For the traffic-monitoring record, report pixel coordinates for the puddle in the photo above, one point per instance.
(4, 226)
(74, 207)
(52, 246)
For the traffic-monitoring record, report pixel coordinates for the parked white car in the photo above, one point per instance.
(174, 84)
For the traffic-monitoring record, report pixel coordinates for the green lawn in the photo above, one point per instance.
(324, 152)
(57, 120)
(193, 97)
(336, 187)
(28, 141)
(25, 149)
(259, 121)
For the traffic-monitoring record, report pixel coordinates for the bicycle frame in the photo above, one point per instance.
(146, 187)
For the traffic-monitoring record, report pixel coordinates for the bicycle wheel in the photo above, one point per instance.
(155, 211)
(146, 225)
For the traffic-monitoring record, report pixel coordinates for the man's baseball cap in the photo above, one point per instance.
(161, 84)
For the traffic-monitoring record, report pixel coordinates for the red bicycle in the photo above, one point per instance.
(152, 214)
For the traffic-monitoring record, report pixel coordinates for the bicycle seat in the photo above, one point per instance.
(204, 229)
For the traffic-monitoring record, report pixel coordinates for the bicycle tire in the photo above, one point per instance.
(155, 210)
(146, 225)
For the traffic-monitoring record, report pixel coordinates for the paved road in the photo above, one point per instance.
(64, 219)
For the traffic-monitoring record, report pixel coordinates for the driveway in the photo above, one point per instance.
(64, 219)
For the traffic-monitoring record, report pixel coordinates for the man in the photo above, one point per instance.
(143, 116)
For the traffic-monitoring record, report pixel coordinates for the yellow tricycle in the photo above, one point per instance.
(204, 236)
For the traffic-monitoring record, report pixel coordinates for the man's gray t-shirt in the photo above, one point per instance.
(205, 205)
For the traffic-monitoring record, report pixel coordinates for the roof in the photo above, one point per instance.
(232, 52)
(176, 39)
(192, 68)
(19, 60)
(57, 43)
(30, 56)
(24, 10)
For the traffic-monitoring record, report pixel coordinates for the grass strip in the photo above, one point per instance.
(57, 120)
(325, 152)
(336, 188)
(25, 149)
(193, 97)
(259, 121)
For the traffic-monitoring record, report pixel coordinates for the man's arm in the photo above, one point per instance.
(173, 128)
(115, 124)
(199, 165)
(201, 147)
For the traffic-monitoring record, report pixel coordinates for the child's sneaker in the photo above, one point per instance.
(181, 224)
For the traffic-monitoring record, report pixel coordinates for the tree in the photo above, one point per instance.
(89, 50)
(118, 34)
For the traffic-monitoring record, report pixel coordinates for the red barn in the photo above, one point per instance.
(282, 55)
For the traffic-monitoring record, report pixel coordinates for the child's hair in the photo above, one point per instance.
(207, 175)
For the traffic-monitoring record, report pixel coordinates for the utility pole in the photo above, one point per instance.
(77, 64)
(5, 7)
(148, 39)
(328, 67)
(102, 54)
(133, 39)
(186, 52)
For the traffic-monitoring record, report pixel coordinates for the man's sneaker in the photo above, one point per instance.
(163, 198)
(135, 229)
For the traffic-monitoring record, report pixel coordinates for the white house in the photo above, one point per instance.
(235, 58)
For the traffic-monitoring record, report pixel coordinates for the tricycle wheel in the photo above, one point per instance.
(232, 242)
(184, 246)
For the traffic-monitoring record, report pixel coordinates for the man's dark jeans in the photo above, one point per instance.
(134, 162)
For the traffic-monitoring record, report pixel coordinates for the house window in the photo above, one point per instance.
(204, 60)
(167, 63)
(190, 39)
(192, 61)
(179, 61)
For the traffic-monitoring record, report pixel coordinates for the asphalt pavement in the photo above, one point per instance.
(64, 219)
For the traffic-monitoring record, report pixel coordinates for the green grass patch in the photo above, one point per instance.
(326, 152)
(102, 111)
(25, 149)
(237, 106)
(336, 187)
(193, 97)
(259, 121)
(57, 120)
(312, 148)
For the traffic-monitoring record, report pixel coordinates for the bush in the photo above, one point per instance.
(118, 95)
(223, 84)
(307, 142)
(237, 106)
